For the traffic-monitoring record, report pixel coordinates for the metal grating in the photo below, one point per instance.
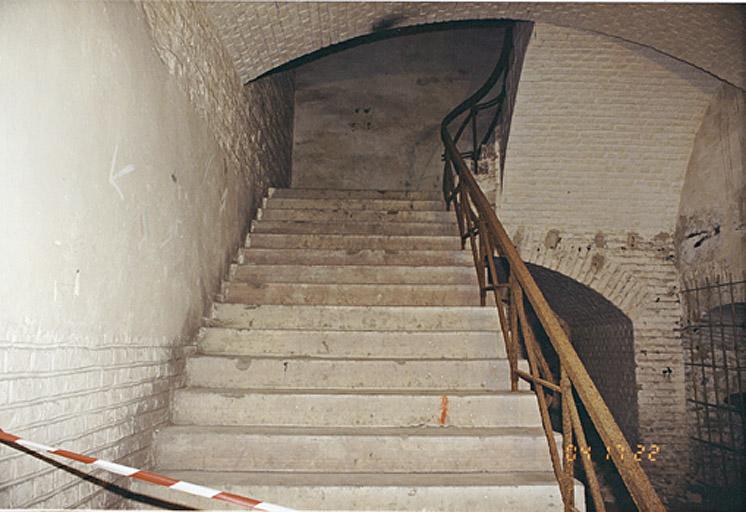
(714, 336)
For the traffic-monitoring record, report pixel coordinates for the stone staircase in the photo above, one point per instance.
(349, 366)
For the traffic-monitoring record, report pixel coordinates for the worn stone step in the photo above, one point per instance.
(416, 450)
(353, 204)
(356, 318)
(352, 242)
(357, 257)
(352, 344)
(361, 374)
(389, 492)
(316, 408)
(305, 227)
(353, 274)
(322, 214)
(354, 294)
(323, 193)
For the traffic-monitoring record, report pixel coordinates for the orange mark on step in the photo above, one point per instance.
(443, 409)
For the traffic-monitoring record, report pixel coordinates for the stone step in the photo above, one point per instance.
(416, 450)
(496, 492)
(322, 193)
(322, 214)
(312, 408)
(354, 294)
(353, 204)
(347, 374)
(353, 242)
(354, 274)
(359, 257)
(356, 318)
(352, 344)
(389, 492)
(304, 227)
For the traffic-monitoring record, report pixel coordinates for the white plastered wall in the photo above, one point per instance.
(120, 210)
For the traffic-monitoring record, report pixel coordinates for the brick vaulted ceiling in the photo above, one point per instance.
(263, 35)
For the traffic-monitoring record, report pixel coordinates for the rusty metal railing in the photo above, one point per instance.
(501, 270)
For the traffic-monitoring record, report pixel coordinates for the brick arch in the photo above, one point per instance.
(614, 299)
(263, 35)
(604, 338)
(641, 281)
(613, 281)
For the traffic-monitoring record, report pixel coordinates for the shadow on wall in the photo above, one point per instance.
(603, 336)
(383, 30)
(368, 117)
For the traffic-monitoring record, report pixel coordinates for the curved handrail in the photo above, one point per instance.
(479, 224)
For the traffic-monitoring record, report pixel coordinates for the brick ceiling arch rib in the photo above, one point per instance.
(261, 36)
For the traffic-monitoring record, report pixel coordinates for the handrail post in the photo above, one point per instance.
(474, 156)
(568, 464)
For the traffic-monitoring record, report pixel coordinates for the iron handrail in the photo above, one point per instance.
(479, 224)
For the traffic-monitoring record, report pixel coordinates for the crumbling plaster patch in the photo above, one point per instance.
(711, 230)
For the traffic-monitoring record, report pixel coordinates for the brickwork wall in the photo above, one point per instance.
(590, 107)
(521, 37)
(263, 35)
(112, 258)
(599, 144)
(251, 123)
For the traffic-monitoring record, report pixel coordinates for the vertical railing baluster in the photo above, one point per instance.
(703, 468)
(585, 455)
(474, 156)
(459, 210)
(737, 355)
(511, 348)
(567, 441)
(447, 183)
(539, 391)
(726, 367)
(483, 256)
(530, 342)
(514, 338)
(715, 382)
(471, 229)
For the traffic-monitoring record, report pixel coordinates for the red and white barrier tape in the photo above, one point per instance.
(147, 476)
